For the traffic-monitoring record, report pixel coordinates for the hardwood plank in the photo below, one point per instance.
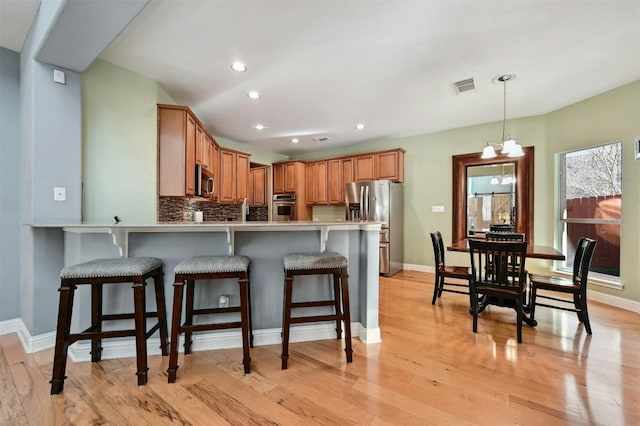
(430, 368)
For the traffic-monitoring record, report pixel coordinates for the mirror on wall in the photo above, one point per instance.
(497, 190)
(491, 197)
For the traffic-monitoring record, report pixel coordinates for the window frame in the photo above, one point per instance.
(599, 278)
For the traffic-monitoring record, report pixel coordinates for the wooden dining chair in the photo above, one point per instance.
(576, 286)
(504, 236)
(501, 284)
(444, 272)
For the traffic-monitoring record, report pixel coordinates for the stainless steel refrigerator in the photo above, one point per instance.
(380, 201)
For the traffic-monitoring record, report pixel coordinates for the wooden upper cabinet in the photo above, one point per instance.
(258, 186)
(183, 143)
(316, 193)
(365, 167)
(199, 145)
(172, 152)
(335, 182)
(233, 186)
(226, 183)
(288, 177)
(242, 176)
(278, 178)
(311, 183)
(291, 171)
(390, 165)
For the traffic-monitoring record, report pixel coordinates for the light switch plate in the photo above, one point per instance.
(59, 77)
(437, 209)
(59, 193)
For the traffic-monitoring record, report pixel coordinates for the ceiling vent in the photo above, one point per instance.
(466, 85)
(321, 139)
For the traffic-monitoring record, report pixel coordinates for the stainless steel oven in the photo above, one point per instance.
(283, 207)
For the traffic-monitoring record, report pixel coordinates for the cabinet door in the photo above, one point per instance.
(190, 164)
(365, 168)
(335, 182)
(227, 183)
(321, 183)
(290, 177)
(258, 187)
(206, 152)
(171, 151)
(252, 187)
(242, 177)
(311, 183)
(390, 165)
(278, 178)
(200, 145)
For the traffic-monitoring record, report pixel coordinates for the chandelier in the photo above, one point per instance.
(508, 146)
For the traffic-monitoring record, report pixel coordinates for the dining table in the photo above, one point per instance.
(533, 251)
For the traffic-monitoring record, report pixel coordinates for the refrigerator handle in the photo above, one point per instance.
(361, 203)
(366, 202)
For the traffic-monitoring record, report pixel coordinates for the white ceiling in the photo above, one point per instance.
(324, 66)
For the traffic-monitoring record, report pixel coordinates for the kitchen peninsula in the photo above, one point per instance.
(265, 243)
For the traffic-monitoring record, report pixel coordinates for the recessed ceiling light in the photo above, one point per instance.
(359, 126)
(253, 95)
(259, 127)
(294, 140)
(238, 66)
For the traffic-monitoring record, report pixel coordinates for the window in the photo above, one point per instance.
(590, 206)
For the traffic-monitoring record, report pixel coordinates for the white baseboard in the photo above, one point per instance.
(419, 268)
(111, 348)
(29, 343)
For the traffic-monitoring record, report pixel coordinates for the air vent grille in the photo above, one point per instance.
(466, 85)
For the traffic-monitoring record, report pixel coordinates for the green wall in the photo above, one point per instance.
(119, 145)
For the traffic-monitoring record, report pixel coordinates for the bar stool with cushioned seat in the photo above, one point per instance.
(317, 264)
(209, 268)
(97, 273)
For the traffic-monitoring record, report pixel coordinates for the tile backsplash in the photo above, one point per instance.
(181, 210)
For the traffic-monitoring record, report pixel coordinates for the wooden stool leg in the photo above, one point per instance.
(188, 316)
(96, 321)
(62, 333)
(346, 315)
(161, 308)
(141, 330)
(176, 317)
(244, 318)
(249, 308)
(336, 299)
(286, 319)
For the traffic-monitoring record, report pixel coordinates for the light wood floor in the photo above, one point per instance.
(429, 369)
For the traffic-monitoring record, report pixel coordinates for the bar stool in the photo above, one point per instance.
(317, 264)
(97, 273)
(209, 268)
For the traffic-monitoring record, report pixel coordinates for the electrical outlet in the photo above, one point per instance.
(59, 193)
(437, 209)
